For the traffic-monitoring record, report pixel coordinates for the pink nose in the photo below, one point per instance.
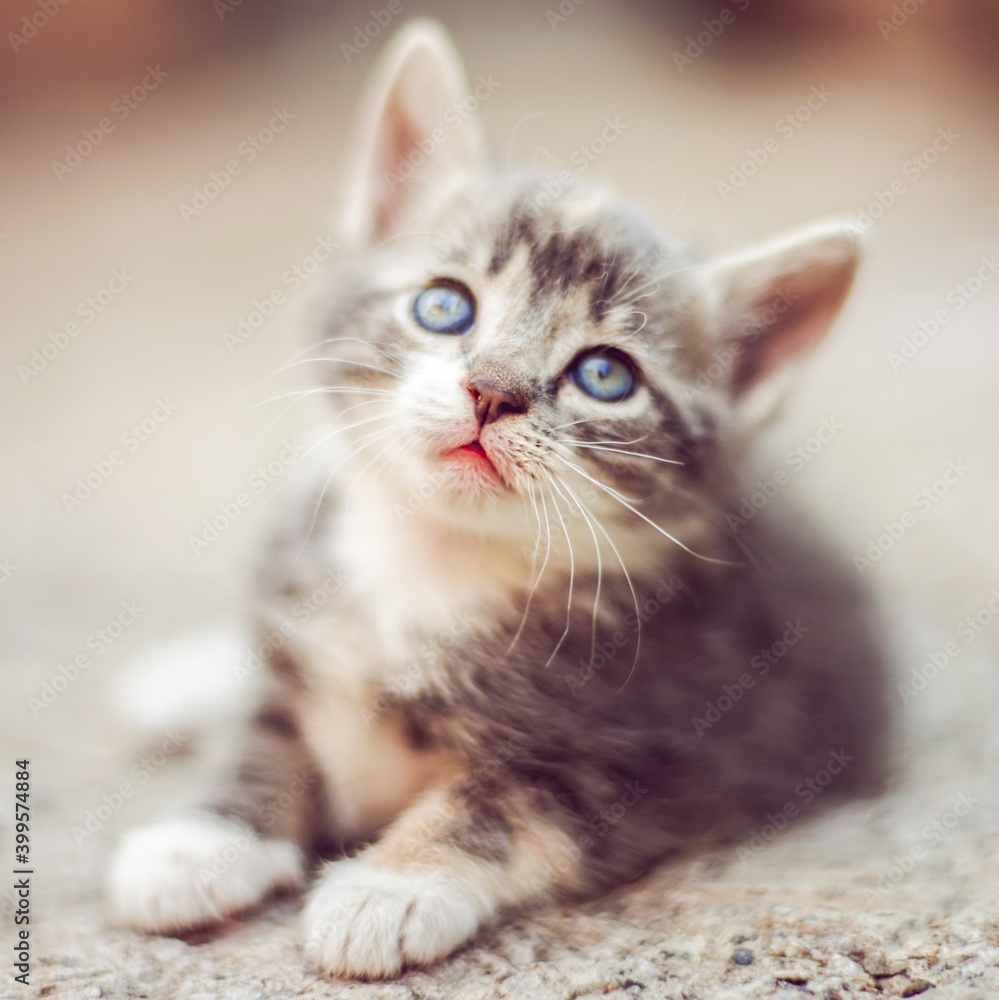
(492, 402)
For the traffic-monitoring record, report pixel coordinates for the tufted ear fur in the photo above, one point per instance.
(414, 133)
(773, 302)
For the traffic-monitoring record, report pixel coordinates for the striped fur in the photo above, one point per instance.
(501, 693)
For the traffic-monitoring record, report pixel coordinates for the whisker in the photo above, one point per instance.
(624, 503)
(572, 573)
(536, 583)
(300, 394)
(621, 451)
(399, 443)
(634, 597)
(616, 442)
(354, 449)
(600, 572)
(380, 348)
(584, 420)
(338, 361)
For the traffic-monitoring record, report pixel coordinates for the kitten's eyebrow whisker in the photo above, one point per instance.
(644, 324)
(516, 128)
(624, 503)
(658, 279)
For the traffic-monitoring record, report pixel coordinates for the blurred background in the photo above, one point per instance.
(169, 175)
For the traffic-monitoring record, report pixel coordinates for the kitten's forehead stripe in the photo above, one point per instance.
(565, 254)
(608, 286)
(519, 228)
(561, 259)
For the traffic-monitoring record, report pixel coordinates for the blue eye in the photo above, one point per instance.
(604, 376)
(445, 307)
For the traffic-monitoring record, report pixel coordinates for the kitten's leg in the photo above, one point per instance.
(199, 868)
(444, 868)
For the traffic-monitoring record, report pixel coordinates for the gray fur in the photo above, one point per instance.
(580, 739)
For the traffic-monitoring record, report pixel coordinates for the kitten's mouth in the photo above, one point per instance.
(475, 458)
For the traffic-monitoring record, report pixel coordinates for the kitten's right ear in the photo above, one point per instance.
(773, 302)
(404, 139)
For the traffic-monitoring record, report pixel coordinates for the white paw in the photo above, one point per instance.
(367, 922)
(195, 870)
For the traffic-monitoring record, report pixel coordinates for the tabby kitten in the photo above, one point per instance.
(552, 653)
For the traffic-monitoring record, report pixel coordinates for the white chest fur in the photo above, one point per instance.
(409, 591)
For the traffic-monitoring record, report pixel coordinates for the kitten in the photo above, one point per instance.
(551, 652)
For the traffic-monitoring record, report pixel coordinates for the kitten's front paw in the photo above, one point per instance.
(367, 922)
(195, 870)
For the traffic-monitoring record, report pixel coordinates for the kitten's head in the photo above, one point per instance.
(513, 345)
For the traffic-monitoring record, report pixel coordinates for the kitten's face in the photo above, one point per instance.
(510, 355)
(502, 359)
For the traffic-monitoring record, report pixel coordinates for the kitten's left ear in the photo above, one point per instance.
(414, 133)
(773, 303)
